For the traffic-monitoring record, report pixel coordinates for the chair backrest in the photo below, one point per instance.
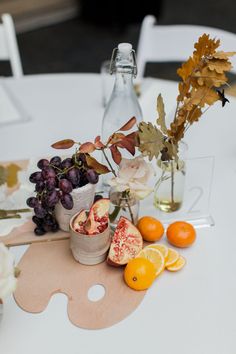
(175, 42)
(8, 45)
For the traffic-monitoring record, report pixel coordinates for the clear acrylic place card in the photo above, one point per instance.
(196, 203)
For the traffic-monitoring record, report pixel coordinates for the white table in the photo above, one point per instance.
(191, 312)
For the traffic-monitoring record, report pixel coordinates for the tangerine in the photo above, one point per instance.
(181, 234)
(139, 273)
(150, 228)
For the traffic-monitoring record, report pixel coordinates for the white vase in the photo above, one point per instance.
(83, 199)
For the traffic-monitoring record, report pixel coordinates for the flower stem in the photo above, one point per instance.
(172, 183)
(109, 164)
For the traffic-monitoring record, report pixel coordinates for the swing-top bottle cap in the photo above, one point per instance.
(123, 58)
(125, 48)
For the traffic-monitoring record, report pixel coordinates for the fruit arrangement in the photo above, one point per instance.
(94, 221)
(54, 183)
(150, 262)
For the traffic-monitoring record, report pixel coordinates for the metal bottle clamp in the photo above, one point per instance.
(113, 65)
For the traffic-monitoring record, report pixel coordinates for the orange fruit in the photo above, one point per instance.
(181, 234)
(179, 264)
(154, 256)
(139, 273)
(150, 228)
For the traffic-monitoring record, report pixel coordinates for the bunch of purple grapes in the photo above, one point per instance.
(53, 184)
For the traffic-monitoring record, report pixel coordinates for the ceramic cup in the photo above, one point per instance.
(89, 249)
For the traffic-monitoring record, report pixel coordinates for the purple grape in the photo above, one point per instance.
(49, 220)
(67, 201)
(39, 211)
(65, 186)
(39, 187)
(37, 220)
(51, 183)
(39, 231)
(32, 202)
(92, 176)
(66, 163)
(56, 161)
(35, 177)
(73, 176)
(55, 227)
(42, 163)
(83, 180)
(52, 198)
(48, 172)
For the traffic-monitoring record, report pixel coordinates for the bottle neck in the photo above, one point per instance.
(124, 81)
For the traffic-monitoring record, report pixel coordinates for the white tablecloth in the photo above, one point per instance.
(191, 312)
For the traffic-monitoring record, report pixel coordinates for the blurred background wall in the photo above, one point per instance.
(77, 35)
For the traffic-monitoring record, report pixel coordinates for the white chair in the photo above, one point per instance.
(8, 45)
(175, 42)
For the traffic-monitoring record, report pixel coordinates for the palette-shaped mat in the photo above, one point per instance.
(49, 268)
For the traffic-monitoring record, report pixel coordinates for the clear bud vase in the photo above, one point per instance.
(122, 204)
(169, 188)
(1, 310)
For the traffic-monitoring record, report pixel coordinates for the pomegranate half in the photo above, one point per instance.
(98, 217)
(79, 222)
(126, 243)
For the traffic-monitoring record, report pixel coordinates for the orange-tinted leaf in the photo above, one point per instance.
(128, 125)
(133, 137)
(128, 145)
(115, 138)
(87, 147)
(63, 144)
(97, 142)
(97, 166)
(116, 155)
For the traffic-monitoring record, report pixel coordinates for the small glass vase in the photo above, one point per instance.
(1, 310)
(169, 188)
(122, 204)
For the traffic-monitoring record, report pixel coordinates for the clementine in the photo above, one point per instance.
(139, 273)
(150, 228)
(181, 234)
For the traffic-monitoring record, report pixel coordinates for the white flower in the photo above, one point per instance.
(7, 277)
(133, 175)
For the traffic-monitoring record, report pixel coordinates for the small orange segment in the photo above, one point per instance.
(139, 273)
(150, 228)
(181, 234)
(179, 264)
(172, 257)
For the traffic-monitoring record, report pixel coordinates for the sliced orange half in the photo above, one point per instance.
(172, 257)
(179, 264)
(154, 256)
(160, 247)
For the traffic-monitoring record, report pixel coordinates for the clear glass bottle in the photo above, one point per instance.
(123, 103)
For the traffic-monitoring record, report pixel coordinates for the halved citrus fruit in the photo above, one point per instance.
(162, 248)
(172, 257)
(179, 264)
(154, 256)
